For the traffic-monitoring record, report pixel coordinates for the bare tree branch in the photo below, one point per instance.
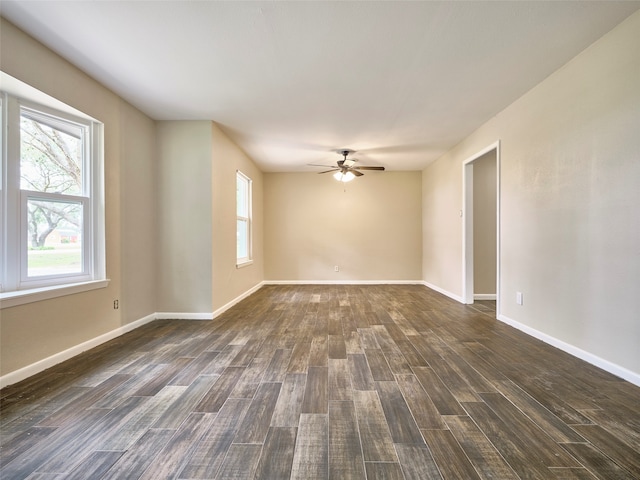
(49, 164)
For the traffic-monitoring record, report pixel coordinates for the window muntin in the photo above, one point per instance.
(52, 209)
(243, 222)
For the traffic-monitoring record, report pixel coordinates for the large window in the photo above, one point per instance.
(51, 205)
(243, 224)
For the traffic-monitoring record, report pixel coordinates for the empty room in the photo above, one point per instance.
(319, 240)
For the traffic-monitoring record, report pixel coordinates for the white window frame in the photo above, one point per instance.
(248, 260)
(16, 287)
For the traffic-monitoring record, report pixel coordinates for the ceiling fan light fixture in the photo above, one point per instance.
(344, 176)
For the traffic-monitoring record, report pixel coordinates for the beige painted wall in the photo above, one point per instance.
(484, 224)
(370, 228)
(33, 332)
(570, 229)
(139, 217)
(442, 226)
(197, 224)
(185, 215)
(230, 282)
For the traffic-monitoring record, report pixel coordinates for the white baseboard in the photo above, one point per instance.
(184, 316)
(484, 296)
(41, 365)
(207, 315)
(238, 299)
(342, 282)
(605, 365)
(455, 297)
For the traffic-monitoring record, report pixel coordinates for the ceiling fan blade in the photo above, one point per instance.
(380, 169)
(332, 170)
(348, 162)
(356, 172)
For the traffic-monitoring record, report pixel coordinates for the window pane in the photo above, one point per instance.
(50, 158)
(55, 238)
(242, 190)
(243, 239)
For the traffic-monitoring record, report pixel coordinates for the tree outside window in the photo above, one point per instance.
(51, 162)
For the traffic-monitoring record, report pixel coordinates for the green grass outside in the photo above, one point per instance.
(52, 260)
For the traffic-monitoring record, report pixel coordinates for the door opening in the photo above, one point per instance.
(481, 226)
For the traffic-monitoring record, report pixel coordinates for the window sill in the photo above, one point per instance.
(244, 264)
(22, 297)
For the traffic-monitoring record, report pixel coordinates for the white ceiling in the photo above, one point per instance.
(292, 82)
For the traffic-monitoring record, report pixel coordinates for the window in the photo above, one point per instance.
(243, 224)
(51, 209)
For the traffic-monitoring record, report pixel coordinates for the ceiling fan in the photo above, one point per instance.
(346, 169)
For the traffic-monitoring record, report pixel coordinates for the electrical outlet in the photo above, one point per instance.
(336, 268)
(519, 298)
(116, 304)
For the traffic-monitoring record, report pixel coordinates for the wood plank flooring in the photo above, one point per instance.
(324, 382)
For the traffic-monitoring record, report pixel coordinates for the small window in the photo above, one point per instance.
(243, 223)
(51, 200)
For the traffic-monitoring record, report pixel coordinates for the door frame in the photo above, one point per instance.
(467, 224)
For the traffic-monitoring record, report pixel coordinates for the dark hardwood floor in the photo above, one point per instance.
(316, 382)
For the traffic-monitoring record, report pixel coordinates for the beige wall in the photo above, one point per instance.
(185, 216)
(197, 224)
(138, 210)
(370, 227)
(484, 224)
(570, 229)
(442, 226)
(230, 282)
(33, 332)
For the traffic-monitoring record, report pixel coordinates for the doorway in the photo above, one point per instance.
(481, 226)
